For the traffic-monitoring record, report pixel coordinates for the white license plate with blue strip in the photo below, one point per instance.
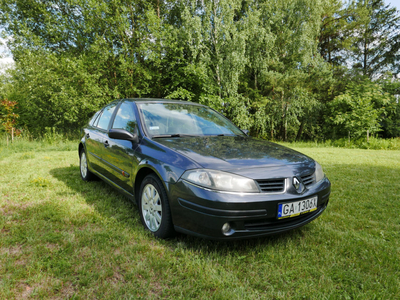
(293, 209)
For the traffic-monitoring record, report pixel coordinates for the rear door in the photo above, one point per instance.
(96, 139)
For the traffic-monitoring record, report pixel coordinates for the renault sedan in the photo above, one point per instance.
(191, 170)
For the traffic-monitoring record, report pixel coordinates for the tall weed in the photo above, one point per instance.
(50, 141)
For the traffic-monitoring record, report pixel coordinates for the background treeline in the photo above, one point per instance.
(284, 69)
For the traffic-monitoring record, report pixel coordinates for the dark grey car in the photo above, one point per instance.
(191, 170)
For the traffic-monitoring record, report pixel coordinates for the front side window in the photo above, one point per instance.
(184, 119)
(105, 117)
(125, 118)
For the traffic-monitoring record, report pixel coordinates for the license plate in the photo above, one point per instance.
(293, 209)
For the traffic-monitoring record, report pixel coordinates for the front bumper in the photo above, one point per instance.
(201, 212)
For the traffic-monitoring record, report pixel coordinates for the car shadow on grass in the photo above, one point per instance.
(103, 198)
(111, 204)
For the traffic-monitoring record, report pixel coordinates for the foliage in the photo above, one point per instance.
(9, 118)
(360, 109)
(56, 92)
(339, 21)
(378, 41)
(272, 67)
(391, 123)
(361, 143)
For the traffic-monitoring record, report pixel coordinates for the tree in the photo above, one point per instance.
(339, 23)
(360, 110)
(391, 122)
(216, 35)
(282, 89)
(271, 66)
(9, 117)
(377, 45)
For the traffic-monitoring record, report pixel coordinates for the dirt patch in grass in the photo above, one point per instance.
(157, 288)
(26, 291)
(11, 207)
(66, 292)
(48, 287)
(13, 251)
(53, 247)
(116, 279)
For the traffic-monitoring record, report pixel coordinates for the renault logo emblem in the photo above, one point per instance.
(298, 185)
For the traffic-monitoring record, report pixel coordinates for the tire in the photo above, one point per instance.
(154, 209)
(84, 168)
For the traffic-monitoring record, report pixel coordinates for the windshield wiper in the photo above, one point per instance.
(222, 134)
(175, 135)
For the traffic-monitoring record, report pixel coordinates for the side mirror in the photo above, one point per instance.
(122, 134)
(245, 131)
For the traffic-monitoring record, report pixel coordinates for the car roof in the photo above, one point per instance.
(158, 100)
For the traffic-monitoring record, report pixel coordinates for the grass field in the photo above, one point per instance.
(64, 238)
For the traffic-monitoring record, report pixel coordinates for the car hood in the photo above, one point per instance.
(235, 153)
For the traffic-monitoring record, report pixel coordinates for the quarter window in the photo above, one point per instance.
(94, 118)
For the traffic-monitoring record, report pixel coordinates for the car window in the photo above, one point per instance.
(125, 118)
(94, 118)
(105, 117)
(183, 118)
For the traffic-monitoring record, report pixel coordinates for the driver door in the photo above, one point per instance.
(119, 157)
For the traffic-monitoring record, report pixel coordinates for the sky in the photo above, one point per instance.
(6, 57)
(395, 3)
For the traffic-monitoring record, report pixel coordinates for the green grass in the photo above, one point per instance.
(64, 238)
(30, 146)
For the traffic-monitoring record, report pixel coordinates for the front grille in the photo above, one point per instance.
(308, 179)
(271, 185)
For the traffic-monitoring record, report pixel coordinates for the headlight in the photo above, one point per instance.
(221, 181)
(319, 173)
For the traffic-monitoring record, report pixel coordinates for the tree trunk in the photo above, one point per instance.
(300, 131)
(286, 122)
(329, 50)
(365, 57)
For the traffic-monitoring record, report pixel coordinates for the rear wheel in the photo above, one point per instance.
(154, 207)
(83, 166)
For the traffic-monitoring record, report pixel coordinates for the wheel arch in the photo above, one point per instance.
(141, 174)
(80, 148)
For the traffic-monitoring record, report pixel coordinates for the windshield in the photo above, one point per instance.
(180, 119)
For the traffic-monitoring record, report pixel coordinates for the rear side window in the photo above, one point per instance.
(105, 117)
(94, 118)
(125, 118)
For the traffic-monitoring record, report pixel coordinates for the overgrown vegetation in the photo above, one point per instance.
(61, 237)
(287, 69)
(26, 143)
(362, 143)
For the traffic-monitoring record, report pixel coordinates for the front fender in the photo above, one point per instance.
(167, 173)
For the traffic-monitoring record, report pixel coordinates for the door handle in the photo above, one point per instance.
(106, 144)
(87, 135)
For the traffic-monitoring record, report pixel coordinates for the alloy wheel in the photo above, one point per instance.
(151, 207)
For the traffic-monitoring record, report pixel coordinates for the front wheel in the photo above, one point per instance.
(83, 166)
(154, 208)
